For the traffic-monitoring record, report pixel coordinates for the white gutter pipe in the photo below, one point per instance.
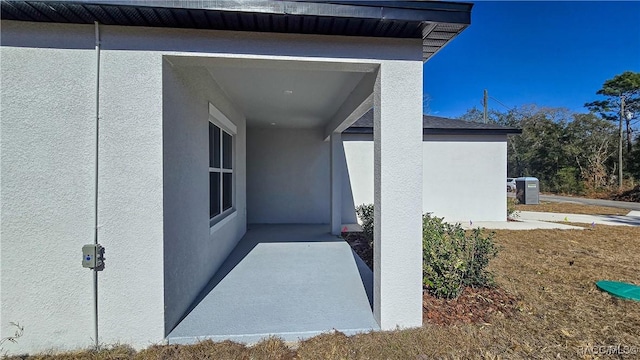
(95, 234)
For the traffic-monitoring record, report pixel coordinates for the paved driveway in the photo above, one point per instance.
(585, 201)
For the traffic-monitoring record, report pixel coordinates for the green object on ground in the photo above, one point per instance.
(620, 289)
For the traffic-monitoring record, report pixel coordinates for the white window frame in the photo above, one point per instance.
(218, 119)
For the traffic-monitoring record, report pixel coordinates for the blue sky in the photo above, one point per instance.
(548, 53)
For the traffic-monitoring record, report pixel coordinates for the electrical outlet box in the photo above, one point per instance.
(92, 256)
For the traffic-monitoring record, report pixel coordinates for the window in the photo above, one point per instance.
(220, 171)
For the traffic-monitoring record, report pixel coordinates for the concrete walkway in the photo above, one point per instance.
(519, 224)
(531, 220)
(292, 281)
(631, 219)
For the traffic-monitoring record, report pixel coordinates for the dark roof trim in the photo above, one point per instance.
(436, 125)
(436, 23)
(507, 131)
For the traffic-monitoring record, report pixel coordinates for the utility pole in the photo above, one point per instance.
(620, 143)
(485, 104)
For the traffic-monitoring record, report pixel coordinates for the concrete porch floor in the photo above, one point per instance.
(292, 281)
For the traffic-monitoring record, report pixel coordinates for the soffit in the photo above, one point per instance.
(436, 23)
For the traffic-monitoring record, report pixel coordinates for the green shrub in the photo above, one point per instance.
(453, 258)
(567, 181)
(511, 208)
(365, 214)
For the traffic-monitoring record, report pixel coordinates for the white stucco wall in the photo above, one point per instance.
(358, 151)
(397, 179)
(463, 175)
(46, 169)
(131, 204)
(48, 104)
(47, 138)
(287, 176)
(192, 253)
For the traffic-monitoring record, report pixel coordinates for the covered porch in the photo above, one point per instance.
(291, 281)
(290, 276)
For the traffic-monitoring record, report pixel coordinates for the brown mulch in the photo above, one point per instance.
(474, 305)
(361, 246)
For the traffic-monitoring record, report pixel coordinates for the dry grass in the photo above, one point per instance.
(551, 271)
(571, 208)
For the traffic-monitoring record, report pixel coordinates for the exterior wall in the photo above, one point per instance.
(397, 179)
(288, 178)
(46, 197)
(131, 205)
(48, 79)
(48, 104)
(358, 151)
(462, 180)
(464, 177)
(192, 250)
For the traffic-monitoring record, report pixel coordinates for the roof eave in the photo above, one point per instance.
(439, 131)
(507, 131)
(436, 23)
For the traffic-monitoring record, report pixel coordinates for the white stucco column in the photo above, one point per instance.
(336, 184)
(398, 195)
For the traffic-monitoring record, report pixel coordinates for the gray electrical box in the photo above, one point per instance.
(92, 256)
(528, 190)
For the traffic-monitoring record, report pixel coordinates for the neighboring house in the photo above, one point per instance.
(160, 129)
(464, 165)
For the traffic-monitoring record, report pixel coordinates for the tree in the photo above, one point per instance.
(634, 159)
(591, 143)
(473, 115)
(625, 85)
(540, 150)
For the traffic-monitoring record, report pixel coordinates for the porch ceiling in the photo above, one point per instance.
(286, 97)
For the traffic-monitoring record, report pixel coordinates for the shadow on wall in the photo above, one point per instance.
(288, 177)
(348, 203)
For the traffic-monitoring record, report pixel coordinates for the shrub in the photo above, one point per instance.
(453, 258)
(566, 181)
(511, 208)
(365, 214)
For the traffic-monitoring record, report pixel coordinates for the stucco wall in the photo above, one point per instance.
(288, 178)
(131, 207)
(397, 169)
(49, 117)
(358, 151)
(46, 167)
(463, 175)
(192, 253)
(48, 79)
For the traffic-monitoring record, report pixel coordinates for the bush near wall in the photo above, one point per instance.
(454, 258)
(365, 214)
